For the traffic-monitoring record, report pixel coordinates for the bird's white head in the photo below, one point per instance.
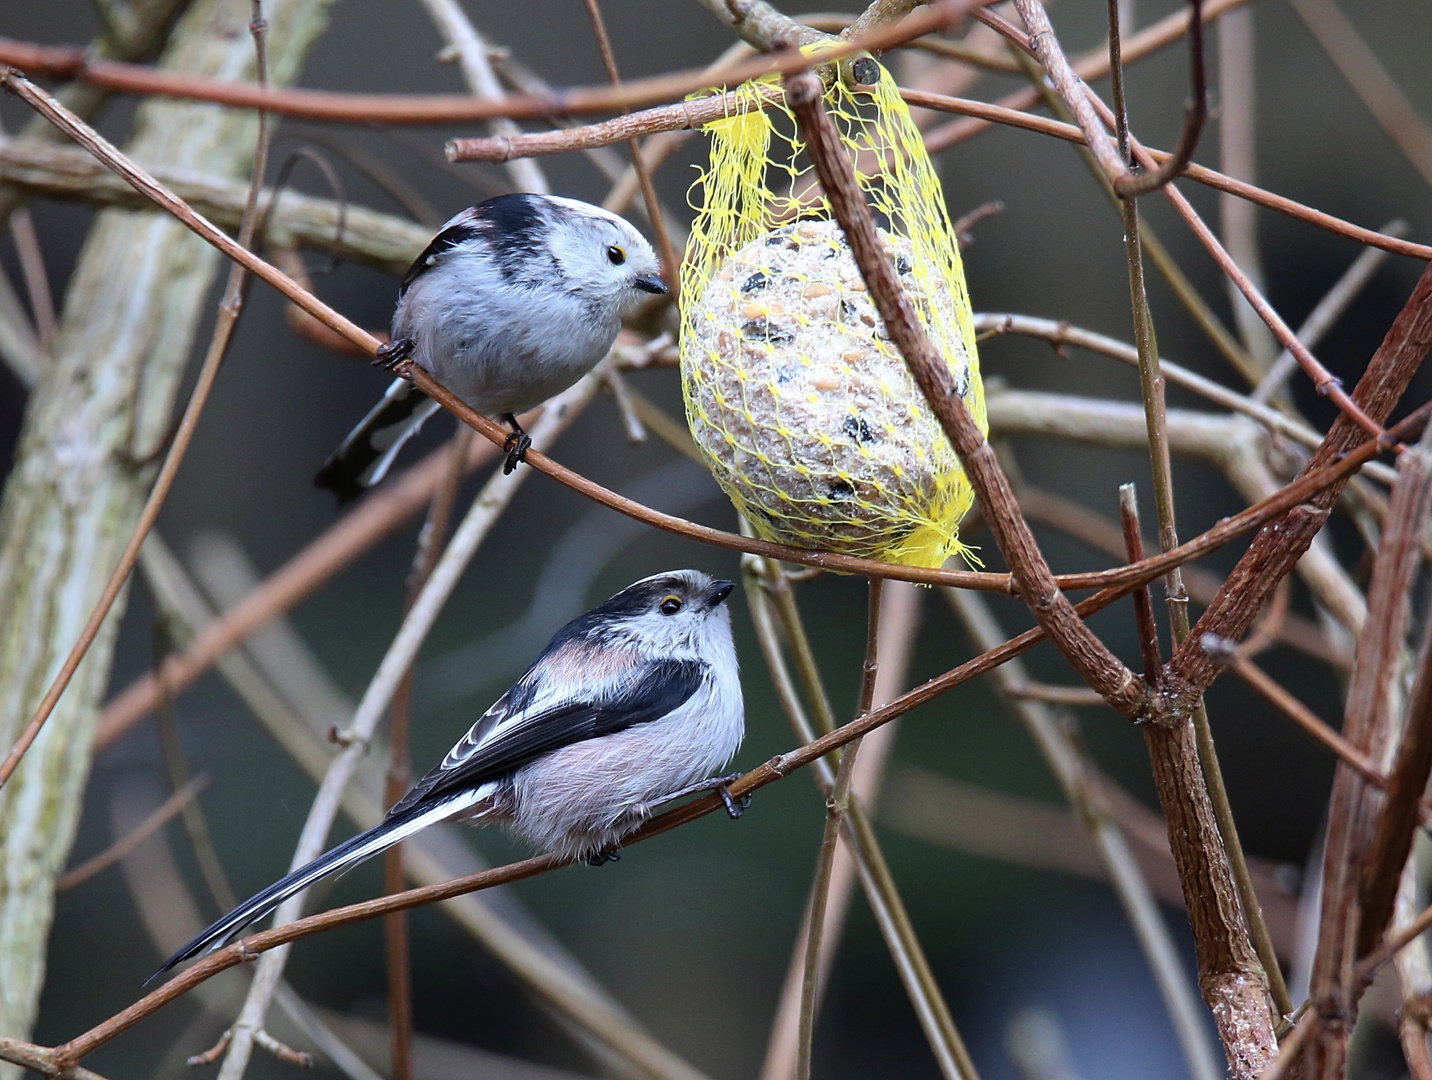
(601, 256)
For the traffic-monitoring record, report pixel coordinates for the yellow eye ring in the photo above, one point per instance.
(616, 255)
(670, 605)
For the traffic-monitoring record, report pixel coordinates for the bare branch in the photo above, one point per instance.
(1035, 582)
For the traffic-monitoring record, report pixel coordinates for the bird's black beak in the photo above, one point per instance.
(719, 591)
(652, 284)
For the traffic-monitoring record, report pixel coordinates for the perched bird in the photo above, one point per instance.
(631, 705)
(512, 302)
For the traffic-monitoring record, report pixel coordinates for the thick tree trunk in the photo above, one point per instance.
(130, 318)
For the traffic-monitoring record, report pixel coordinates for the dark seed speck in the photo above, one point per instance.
(755, 283)
(857, 428)
(761, 329)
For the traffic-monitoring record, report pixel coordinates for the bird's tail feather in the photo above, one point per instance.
(343, 857)
(369, 450)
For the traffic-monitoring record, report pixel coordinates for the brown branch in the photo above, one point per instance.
(69, 62)
(1034, 581)
(680, 117)
(1359, 816)
(1398, 822)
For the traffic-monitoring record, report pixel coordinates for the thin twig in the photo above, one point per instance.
(1370, 80)
(670, 261)
(471, 51)
(837, 803)
(1148, 630)
(1305, 718)
(395, 927)
(229, 309)
(1327, 311)
(131, 840)
(32, 269)
(1056, 695)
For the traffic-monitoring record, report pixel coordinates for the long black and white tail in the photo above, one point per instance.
(368, 452)
(343, 857)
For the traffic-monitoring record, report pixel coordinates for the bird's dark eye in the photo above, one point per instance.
(671, 605)
(615, 255)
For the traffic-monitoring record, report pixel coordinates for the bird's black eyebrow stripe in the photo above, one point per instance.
(633, 600)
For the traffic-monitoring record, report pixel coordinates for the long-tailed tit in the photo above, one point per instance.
(512, 302)
(631, 705)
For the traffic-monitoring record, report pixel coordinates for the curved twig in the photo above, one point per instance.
(1195, 112)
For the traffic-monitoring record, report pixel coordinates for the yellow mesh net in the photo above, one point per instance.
(801, 405)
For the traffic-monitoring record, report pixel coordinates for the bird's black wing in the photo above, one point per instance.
(465, 226)
(523, 726)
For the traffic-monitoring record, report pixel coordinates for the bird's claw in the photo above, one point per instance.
(517, 444)
(735, 806)
(604, 856)
(393, 353)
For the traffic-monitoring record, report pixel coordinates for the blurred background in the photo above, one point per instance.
(692, 932)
